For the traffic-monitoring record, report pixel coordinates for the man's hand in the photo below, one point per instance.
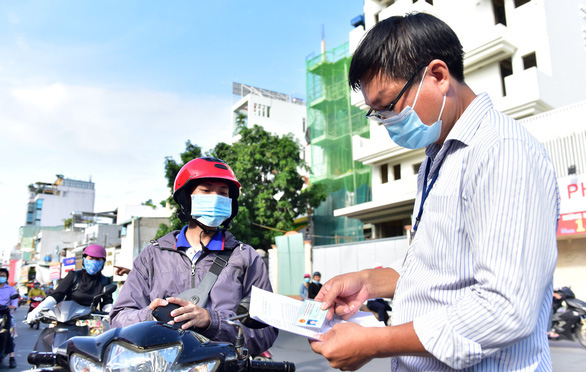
(344, 294)
(194, 315)
(347, 346)
(121, 270)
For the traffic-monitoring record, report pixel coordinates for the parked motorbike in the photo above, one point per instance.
(66, 314)
(35, 301)
(157, 346)
(570, 322)
(5, 320)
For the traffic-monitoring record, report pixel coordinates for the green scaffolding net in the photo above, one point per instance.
(332, 121)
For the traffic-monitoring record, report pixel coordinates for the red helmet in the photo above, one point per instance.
(95, 250)
(197, 170)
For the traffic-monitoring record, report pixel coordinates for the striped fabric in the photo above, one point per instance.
(477, 279)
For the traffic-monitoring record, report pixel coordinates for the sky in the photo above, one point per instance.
(105, 90)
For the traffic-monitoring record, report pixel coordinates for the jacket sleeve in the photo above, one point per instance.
(131, 306)
(64, 287)
(256, 340)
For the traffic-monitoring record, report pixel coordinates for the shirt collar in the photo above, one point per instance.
(215, 244)
(467, 125)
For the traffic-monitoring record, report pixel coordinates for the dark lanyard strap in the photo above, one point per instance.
(425, 192)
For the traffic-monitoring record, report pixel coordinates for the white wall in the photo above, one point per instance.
(332, 260)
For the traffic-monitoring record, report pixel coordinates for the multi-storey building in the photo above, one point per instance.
(529, 56)
(52, 203)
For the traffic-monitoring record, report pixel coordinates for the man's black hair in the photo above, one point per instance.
(397, 46)
(4, 270)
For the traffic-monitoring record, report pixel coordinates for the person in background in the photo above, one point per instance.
(6, 291)
(36, 291)
(474, 290)
(314, 286)
(303, 290)
(82, 285)
(206, 191)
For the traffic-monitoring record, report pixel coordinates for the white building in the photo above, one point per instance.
(277, 113)
(529, 56)
(52, 203)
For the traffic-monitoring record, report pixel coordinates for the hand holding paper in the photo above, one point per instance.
(283, 312)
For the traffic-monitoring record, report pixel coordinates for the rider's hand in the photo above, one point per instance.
(32, 316)
(194, 315)
(156, 303)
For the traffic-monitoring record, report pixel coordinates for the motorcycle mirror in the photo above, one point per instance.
(109, 289)
(247, 321)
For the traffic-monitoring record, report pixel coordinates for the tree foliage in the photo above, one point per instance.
(272, 195)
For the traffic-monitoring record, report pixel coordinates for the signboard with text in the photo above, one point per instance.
(68, 265)
(572, 194)
(572, 224)
(55, 271)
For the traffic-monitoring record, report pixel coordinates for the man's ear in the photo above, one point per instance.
(441, 74)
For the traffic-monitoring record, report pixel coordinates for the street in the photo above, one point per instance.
(566, 355)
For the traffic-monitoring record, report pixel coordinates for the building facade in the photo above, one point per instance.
(50, 204)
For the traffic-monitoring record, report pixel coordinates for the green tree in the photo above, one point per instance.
(272, 195)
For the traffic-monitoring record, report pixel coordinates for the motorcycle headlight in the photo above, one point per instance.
(120, 358)
(77, 363)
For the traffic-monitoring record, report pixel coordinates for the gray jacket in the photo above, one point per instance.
(163, 271)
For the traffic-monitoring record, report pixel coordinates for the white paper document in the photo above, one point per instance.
(282, 312)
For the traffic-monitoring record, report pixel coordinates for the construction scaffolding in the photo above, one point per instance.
(332, 121)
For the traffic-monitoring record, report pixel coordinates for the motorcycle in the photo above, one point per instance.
(66, 314)
(35, 301)
(158, 346)
(5, 322)
(570, 323)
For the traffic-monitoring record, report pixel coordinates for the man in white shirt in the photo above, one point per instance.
(475, 288)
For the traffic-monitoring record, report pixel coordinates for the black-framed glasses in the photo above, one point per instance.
(388, 113)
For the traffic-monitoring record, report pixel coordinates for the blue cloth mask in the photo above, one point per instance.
(306, 280)
(2, 279)
(407, 130)
(210, 209)
(93, 266)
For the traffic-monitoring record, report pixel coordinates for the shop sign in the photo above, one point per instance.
(55, 271)
(572, 193)
(24, 274)
(68, 265)
(572, 224)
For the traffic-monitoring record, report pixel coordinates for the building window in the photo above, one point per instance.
(384, 173)
(416, 168)
(518, 3)
(39, 204)
(498, 7)
(397, 172)
(529, 60)
(506, 67)
(268, 111)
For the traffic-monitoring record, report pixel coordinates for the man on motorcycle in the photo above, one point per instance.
(206, 191)
(36, 291)
(5, 292)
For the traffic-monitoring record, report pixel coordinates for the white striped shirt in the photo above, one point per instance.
(477, 279)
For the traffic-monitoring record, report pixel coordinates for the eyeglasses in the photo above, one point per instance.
(379, 116)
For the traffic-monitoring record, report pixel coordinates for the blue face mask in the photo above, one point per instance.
(306, 280)
(2, 279)
(92, 266)
(407, 130)
(210, 209)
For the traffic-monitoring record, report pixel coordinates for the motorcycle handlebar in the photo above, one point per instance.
(262, 365)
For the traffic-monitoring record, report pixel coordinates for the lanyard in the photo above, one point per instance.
(425, 193)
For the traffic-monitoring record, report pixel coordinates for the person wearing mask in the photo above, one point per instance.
(36, 291)
(6, 291)
(314, 286)
(474, 290)
(82, 285)
(304, 289)
(206, 191)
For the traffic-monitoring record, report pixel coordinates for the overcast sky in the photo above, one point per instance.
(105, 90)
